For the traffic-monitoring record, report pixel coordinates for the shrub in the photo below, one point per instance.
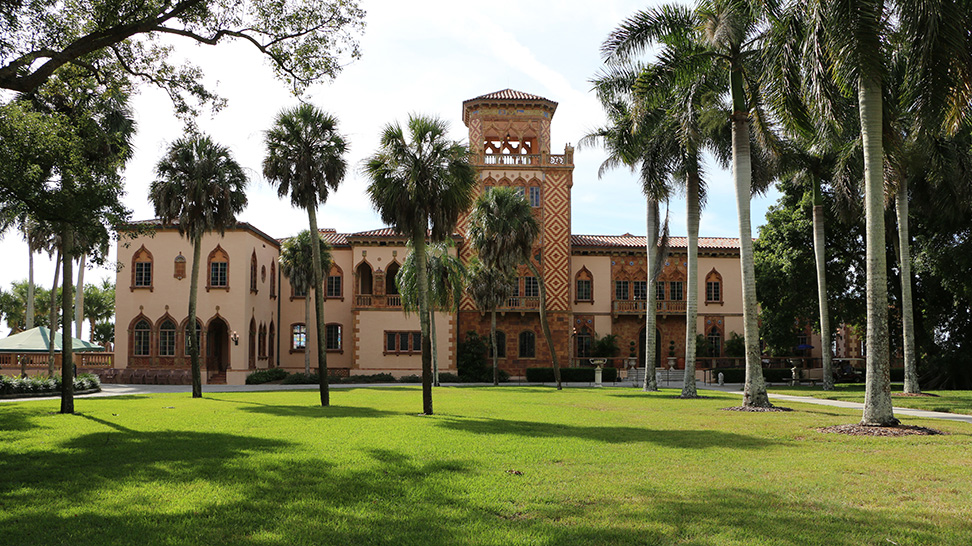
(301, 378)
(265, 376)
(447, 377)
(578, 375)
(46, 385)
(735, 346)
(471, 359)
(413, 378)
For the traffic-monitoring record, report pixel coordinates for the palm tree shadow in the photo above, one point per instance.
(307, 412)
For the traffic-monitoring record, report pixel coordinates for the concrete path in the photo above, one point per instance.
(110, 389)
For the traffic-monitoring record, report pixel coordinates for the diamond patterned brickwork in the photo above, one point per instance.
(556, 240)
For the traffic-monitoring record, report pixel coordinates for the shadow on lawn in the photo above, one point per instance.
(690, 439)
(306, 411)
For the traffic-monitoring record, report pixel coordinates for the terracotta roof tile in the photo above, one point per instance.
(510, 94)
(631, 241)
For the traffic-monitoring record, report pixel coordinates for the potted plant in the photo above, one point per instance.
(671, 355)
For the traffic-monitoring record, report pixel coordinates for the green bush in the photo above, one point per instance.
(471, 359)
(738, 375)
(447, 377)
(265, 376)
(570, 375)
(412, 378)
(301, 378)
(46, 385)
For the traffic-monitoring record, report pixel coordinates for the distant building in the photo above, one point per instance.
(251, 318)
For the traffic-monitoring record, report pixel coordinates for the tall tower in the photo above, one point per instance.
(509, 132)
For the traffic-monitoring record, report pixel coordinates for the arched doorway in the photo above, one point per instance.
(217, 346)
(642, 344)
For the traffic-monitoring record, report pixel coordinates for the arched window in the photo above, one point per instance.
(142, 338)
(297, 290)
(262, 341)
(253, 273)
(714, 337)
(142, 269)
(391, 285)
(218, 267)
(335, 288)
(273, 280)
(364, 279)
(713, 287)
(252, 344)
(179, 267)
(584, 342)
(528, 344)
(584, 286)
(271, 348)
(167, 338)
(500, 344)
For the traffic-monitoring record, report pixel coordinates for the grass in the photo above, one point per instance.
(945, 401)
(494, 466)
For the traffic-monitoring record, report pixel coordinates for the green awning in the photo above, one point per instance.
(37, 340)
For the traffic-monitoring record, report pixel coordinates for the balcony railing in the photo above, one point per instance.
(521, 303)
(638, 307)
(36, 361)
(393, 300)
(363, 300)
(378, 301)
(524, 159)
(674, 306)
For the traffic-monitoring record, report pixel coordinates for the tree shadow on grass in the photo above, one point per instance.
(305, 411)
(688, 439)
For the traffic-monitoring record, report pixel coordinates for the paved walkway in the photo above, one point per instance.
(110, 389)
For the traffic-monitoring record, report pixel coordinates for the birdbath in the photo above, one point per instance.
(598, 371)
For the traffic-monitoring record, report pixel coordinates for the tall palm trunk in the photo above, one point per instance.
(422, 274)
(307, 322)
(53, 315)
(492, 342)
(907, 309)
(754, 392)
(67, 357)
(878, 410)
(651, 247)
(435, 347)
(819, 255)
(692, 280)
(193, 299)
(29, 319)
(319, 305)
(79, 298)
(543, 323)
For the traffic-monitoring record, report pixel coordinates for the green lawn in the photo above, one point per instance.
(503, 466)
(947, 401)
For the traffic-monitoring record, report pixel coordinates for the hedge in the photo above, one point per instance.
(46, 385)
(265, 376)
(572, 375)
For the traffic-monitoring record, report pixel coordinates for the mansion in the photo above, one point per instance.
(250, 317)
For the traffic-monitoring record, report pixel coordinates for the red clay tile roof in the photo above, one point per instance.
(631, 241)
(510, 94)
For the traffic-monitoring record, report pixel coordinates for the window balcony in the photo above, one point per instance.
(638, 307)
(521, 303)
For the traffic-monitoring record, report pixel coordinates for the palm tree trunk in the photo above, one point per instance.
(422, 273)
(79, 298)
(692, 282)
(53, 314)
(193, 341)
(754, 392)
(29, 319)
(435, 347)
(492, 342)
(650, 383)
(543, 323)
(878, 410)
(67, 310)
(907, 308)
(319, 305)
(819, 254)
(307, 301)
(91, 325)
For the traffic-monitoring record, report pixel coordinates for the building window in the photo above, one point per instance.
(500, 345)
(273, 280)
(584, 341)
(521, 191)
(297, 290)
(403, 342)
(713, 287)
(640, 290)
(334, 283)
(620, 290)
(262, 341)
(198, 338)
(141, 338)
(660, 291)
(715, 340)
(534, 196)
(252, 344)
(676, 290)
(585, 285)
(142, 269)
(253, 273)
(391, 283)
(167, 338)
(531, 287)
(298, 340)
(218, 269)
(528, 344)
(179, 267)
(270, 343)
(332, 336)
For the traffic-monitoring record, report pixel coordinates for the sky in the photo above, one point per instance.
(426, 57)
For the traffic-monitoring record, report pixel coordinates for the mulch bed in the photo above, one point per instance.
(680, 397)
(757, 408)
(898, 430)
(913, 395)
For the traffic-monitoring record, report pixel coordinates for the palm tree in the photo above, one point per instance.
(420, 184)
(305, 157)
(99, 303)
(503, 230)
(490, 288)
(851, 44)
(447, 277)
(200, 188)
(716, 35)
(296, 258)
